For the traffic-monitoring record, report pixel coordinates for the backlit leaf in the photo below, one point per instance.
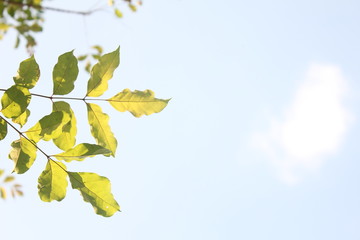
(96, 190)
(49, 127)
(9, 179)
(53, 182)
(2, 193)
(22, 119)
(118, 13)
(102, 72)
(65, 73)
(67, 138)
(15, 101)
(23, 154)
(28, 73)
(82, 151)
(138, 102)
(100, 129)
(3, 129)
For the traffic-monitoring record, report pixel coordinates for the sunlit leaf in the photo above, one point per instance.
(118, 13)
(102, 72)
(2, 193)
(23, 154)
(100, 129)
(15, 101)
(28, 73)
(22, 119)
(1, 172)
(65, 73)
(53, 182)
(67, 138)
(132, 7)
(138, 102)
(96, 190)
(81, 58)
(49, 127)
(82, 151)
(9, 179)
(98, 48)
(3, 129)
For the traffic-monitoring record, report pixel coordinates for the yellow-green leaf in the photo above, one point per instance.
(82, 151)
(138, 102)
(100, 129)
(67, 138)
(15, 101)
(22, 119)
(118, 13)
(102, 72)
(65, 73)
(53, 182)
(3, 129)
(9, 179)
(23, 154)
(49, 127)
(2, 193)
(28, 73)
(96, 190)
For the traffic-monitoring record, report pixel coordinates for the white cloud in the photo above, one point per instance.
(312, 127)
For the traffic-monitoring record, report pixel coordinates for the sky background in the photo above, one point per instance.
(260, 139)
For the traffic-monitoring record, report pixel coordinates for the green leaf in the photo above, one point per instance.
(23, 154)
(65, 73)
(67, 138)
(81, 57)
(15, 101)
(9, 179)
(3, 129)
(138, 102)
(28, 73)
(118, 13)
(53, 182)
(82, 151)
(96, 190)
(22, 119)
(49, 127)
(100, 129)
(132, 7)
(98, 48)
(102, 72)
(1, 172)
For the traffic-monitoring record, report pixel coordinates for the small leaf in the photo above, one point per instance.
(67, 138)
(118, 13)
(102, 72)
(65, 73)
(96, 190)
(81, 57)
(23, 154)
(1, 172)
(15, 101)
(28, 73)
(138, 102)
(2, 193)
(22, 119)
(3, 129)
(132, 7)
(98, 48)
(49, 127)
(100, 129)
(9, 179)
(53, 182)
(82, 151)
(19, 192)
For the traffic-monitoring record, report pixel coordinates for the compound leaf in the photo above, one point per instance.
(15, 101)
(49, 127)
(102, 72)
(65, 73)
(138, 102)
(23, 154)
(100, 129)
(82, 151)
(96, 190)
(67, 138)
(53, 182)
(28, 73)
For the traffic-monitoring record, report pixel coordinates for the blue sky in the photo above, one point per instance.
(259, 140)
